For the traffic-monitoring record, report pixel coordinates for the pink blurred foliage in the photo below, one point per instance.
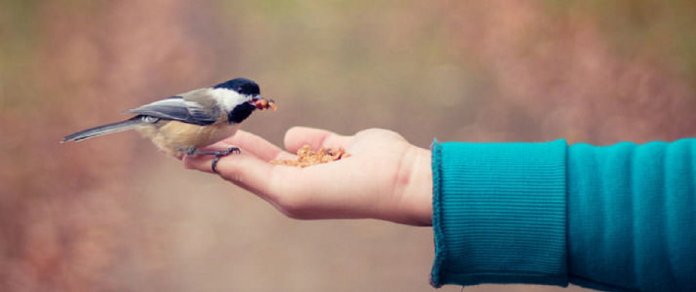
(558, 76)
(70, 219)
(65, 208)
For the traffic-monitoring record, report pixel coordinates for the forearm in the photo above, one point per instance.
(629, 222)
(632, 216)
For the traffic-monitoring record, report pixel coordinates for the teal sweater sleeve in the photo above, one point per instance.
(620, 217)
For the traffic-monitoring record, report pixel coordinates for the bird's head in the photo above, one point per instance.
(240, 97)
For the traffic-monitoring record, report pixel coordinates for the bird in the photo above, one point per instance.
(184, 123)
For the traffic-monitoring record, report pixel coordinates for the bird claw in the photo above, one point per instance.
(216, 154)
(220, 154)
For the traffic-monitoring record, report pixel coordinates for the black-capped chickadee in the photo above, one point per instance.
(183, 123)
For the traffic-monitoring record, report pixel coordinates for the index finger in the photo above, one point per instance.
(260, 177)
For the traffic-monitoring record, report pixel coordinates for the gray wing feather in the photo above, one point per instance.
(180, 109)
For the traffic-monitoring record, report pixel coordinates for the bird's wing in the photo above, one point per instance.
(181, 109)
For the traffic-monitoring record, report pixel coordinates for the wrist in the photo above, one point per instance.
(416, 189)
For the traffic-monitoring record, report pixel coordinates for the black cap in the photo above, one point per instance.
(241, 85)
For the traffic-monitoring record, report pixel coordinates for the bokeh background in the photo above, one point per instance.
(112, 214)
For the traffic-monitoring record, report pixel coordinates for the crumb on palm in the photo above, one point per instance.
(308, 157)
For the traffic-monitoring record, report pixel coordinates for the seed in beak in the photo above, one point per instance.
(264, 104)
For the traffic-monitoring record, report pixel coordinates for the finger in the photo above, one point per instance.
(246, 171)
(253, 144)
(296, 137)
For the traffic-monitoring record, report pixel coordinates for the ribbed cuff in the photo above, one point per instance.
(499, 213)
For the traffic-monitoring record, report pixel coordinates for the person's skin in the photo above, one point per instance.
(385, 177)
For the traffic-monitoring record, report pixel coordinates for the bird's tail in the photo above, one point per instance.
(102, 130)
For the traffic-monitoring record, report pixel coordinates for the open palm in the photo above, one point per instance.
(385, 177)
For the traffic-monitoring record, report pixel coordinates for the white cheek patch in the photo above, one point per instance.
(227, 99)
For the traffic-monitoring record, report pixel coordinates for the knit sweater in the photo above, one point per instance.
(619, 217)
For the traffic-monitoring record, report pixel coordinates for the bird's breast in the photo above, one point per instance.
(173, 136)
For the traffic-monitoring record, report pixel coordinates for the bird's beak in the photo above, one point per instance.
(264, 104)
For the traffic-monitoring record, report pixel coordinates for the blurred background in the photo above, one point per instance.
(112, 214)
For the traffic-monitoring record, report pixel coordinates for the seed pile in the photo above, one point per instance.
(308, 157)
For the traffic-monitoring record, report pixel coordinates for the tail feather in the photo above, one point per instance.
(102, 130)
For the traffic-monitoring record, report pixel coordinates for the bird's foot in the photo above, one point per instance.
(219, 154)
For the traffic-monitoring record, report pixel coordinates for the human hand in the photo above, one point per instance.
(385, 177)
